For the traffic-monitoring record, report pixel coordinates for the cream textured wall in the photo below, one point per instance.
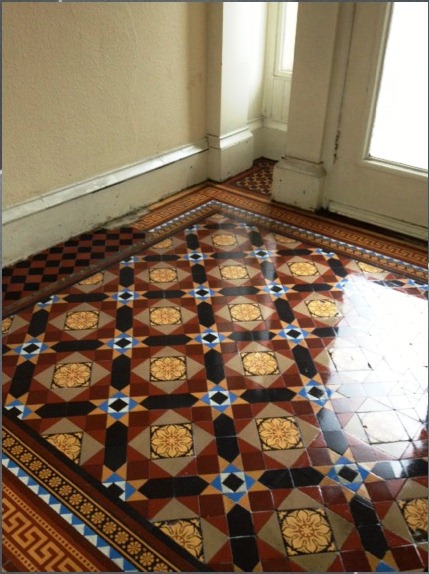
(89, 88)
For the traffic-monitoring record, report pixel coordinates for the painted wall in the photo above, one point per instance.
(88, 88)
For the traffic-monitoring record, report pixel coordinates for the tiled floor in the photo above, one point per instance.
(262, 401)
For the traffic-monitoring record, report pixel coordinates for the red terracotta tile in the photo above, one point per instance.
(355, 561)
(333, 495)
(407, 557)
(260, 500)
(378, 491)
(211, 505)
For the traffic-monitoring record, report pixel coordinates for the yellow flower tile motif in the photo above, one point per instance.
(306, 531)
(279, 433)
(186, 532)
(367, 268)
(163, 275)
(72, 375)
(165, 244)
(416, 516)
(245, 312)
(165, 316)
(233, 272)
(95, 279)
(283, 239)
(224, 240)
(303, 269)
(171, 441)
(168, 369)
(79, 320)
(69, 444)
(323, 308)
(259, 363)
(6, 325)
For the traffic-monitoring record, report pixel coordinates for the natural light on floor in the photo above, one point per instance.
(400, 131)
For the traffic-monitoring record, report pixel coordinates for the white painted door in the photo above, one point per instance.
(390, 195)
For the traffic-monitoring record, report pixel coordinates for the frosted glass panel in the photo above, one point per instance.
(290, 15)
(400, 130)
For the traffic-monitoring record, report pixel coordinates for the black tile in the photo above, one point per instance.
(167, 294)
(280, 395)
(417, 467)
(240, 522)
(304, 361)
(256, 396)
(325, 332)
(124, 318)
(237, 291)
(205, 314)
(63, 410)
(85, 297)
(245, 552)
(161, 402)
(38, 323)
(251, 336)
(255, 238)
(21, 380)
(224, 426)
(268, 270)
(214, 366)
(363, 511)
(121, 372)
(277, 479)
(188, 485)
(306, 476)
(126, 276)
(336, 441)
(72, 346)
(158, 488)
(166, 340)
(192, 241)
(327, 420)
(284, 310)
(389, 469)
(312, 287)
(198, 274)
(373, 539)
(115, 448)
(227, 447)
(337, 267)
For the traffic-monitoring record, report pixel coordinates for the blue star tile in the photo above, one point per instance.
(121, 487)
(219, 398)
(202, 293)
(125, 296)
(275, 289)
(122, 343)
(348, 474)
(262, 254)
(47, 302)
(295, 334)
(21, 410)
(31, 348)
(233, 483)
(210, 338)
(195, 256)
(316, 392)
(118, 405)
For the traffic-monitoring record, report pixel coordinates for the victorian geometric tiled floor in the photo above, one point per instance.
(253, 391)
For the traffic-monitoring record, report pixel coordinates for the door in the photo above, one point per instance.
(376, 191)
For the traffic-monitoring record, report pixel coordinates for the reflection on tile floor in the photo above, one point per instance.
(261, 401)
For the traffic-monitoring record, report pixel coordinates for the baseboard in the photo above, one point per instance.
(380, 220)
(42, 222)
(230, 154)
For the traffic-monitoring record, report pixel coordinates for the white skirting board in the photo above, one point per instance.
(381, 220)
(42, 222)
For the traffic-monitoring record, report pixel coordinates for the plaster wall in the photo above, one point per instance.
(92, 87)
